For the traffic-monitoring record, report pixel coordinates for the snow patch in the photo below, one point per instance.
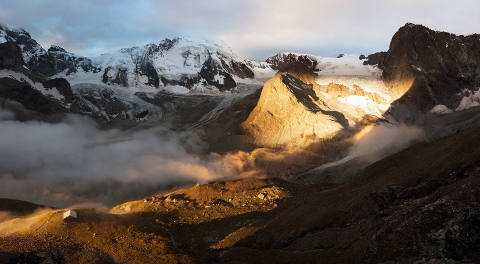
(51, 92)
(176, 89)
(219, 78)
(469, 101)
(349, 65)
(364, 103)
(440, 109)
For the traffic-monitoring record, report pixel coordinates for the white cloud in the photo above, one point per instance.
(74, 162)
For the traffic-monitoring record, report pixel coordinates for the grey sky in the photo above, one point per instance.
(254, 29)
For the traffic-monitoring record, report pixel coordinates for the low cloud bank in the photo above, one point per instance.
(378, 141)
(73, 162)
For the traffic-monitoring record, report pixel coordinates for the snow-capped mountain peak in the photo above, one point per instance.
(169, 65)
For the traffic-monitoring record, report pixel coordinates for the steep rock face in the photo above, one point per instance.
(316, 99)
(289, 113)
(35, 57)
(62, 86)
(49, 98)
(214, 74)
(10, 57)
(64, 61)
(430, 68)
(31, 99)
(238, 68)
(115, 75)
(293, 62)
(374, 59)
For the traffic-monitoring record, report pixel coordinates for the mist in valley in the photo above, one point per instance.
(378, 141)
(75, 163)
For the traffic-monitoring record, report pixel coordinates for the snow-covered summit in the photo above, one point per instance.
(193, 64)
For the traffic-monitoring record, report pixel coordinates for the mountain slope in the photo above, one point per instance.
(316, 102)
(131, 87)
(177, 65)
(49, 99)
(432, 68)
(316, 98)
(414, 205)
(419, 205)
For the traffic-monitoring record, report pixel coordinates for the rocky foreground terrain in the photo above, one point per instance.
(419, 205)
(358, 159)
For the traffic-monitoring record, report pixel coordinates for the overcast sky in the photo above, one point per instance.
(254, 29)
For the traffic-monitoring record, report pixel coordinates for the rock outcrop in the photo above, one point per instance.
(293, 63)
(49, 99)
(214, 74)
(430, 68)
(290, 113)
(315, 99)
(31, 89)
(374, 59)
(11, 57)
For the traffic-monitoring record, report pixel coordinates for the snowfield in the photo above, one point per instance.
(175, 60)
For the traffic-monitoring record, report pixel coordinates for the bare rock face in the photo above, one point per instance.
(316, 99)
(115, 75)
(213, 72)
(239, 69)
(33, 54)
(10, 56)
(30, 98)
(21, 91)
(69, 62)
(289, 113)
(62, 86)
(293, 63)
(429, 68)
(374, 59)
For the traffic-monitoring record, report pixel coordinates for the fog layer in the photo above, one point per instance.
(74, 162)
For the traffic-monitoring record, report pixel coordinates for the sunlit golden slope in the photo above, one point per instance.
(279, 120)
(298, 109)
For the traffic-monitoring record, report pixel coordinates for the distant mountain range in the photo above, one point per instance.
(175, 64)
(423, 71)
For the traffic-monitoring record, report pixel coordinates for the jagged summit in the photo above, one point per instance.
(316, 98)
(55, 48)
(176, 65)
(431, 68)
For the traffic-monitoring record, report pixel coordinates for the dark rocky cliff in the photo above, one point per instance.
(430, 68)
(214, 74)
(293, 63)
